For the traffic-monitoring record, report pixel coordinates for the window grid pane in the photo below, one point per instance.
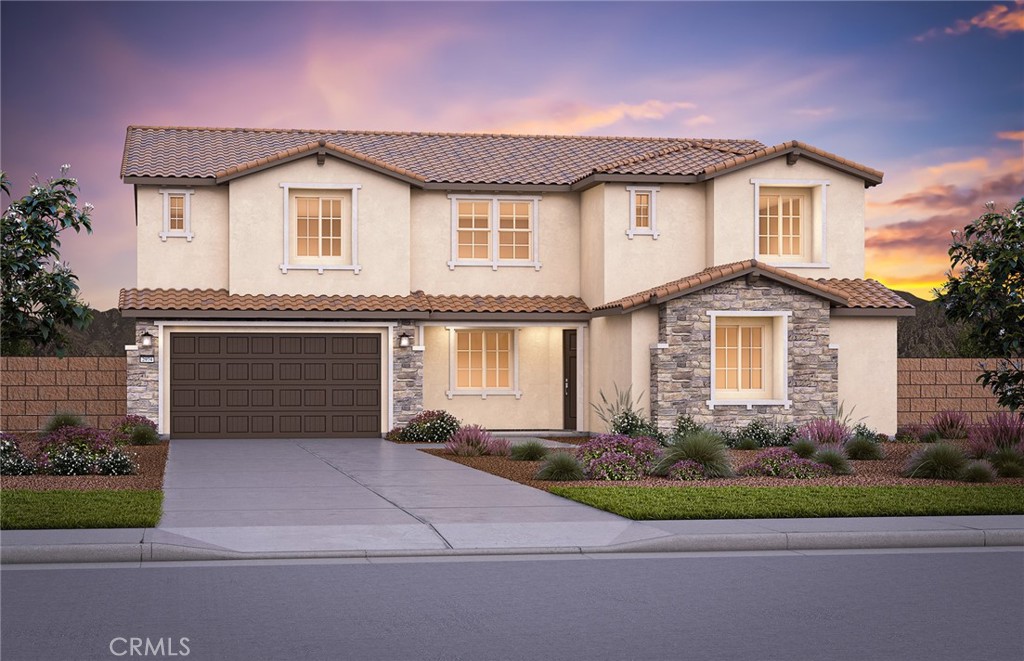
(643, 210)
(515, 233)
(474, 232)
(739, 358)
(318, 226)
(176, 219)
(483, 359)
(780, 219)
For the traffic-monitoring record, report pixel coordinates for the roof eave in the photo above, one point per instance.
(873, 312)
(870, 178)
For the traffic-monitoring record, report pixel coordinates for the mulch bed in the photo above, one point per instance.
(884, 472)
(151, 460)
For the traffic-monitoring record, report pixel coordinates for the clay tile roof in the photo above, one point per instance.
(221, 300)
(867, 294)
(194, 152)
(875, 176)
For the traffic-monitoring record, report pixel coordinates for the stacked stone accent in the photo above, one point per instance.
(36, 388)
(926, 386)
(407, 380)
(681, 371)
(144, 378)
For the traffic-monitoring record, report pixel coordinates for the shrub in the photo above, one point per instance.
(62, 420)
(804, 469)
(863, 448)
(608, 411)
(617, 457)
(427, 427)
(84, 439)
(685, 425)
(500, 447)
(687, 470)
(743, 443)
(1001, 430)
(978, 471)
(528, 451)
(804, 448)
(116, 462)
(833, 457)
(758, 431)
(769, 462)
(786, 435)
(937, 462)
(124, 431)
(951, 424)
(909, 434)
(12, 460)
(70, 460)
(475, 441)
(1008, 462)
(633, 424)
(824, 431)
(705, 447)
(930, 436)
(560, 467)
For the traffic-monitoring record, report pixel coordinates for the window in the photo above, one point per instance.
(177, 215)
(494, 231)
(483, 362)
(321, 227)
(642, 212)
(789, 226)
(749, 356)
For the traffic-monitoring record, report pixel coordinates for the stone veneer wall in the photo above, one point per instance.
(407, 380)
(681, 373)
(144, 378)
(33, 389)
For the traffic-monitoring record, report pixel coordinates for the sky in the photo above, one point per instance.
(931, 93)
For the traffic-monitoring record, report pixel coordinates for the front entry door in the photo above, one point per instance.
(569, 379)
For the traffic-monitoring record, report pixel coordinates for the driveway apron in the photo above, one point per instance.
(361, 495)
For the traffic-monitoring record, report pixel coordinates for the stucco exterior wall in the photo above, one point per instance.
(540, 380)
(558, 227)
(592, 238)
(256, 239)
(867, 368)
(619, 355)
(636, 264)
(176, 263)
(734, 216)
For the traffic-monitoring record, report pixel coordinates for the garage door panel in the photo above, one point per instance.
(266, 385)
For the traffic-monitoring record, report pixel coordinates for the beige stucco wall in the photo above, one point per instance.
(558, 230)
(619, 354)
(636, 264)
(734, 216)
(201, 263)
(867, 368)
(540, 380)
(256, 211)
(592, 245)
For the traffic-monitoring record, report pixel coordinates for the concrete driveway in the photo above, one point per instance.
(361, 494)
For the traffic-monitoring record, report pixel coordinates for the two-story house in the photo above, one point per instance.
(296, 283)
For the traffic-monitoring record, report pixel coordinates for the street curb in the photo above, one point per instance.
(776, 541)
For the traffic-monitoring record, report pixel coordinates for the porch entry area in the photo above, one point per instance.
(505, 376)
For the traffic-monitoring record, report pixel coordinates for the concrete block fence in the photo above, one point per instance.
(33, 389)
(926, 386)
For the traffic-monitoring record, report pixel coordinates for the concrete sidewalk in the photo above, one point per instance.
(252, 499)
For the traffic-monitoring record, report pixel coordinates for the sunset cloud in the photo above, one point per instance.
(1010, 135)
(1001, 19)
(566, 118)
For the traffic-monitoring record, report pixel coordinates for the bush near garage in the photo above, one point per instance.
(434, 426)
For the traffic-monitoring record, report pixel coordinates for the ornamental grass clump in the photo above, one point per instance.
(804, 447)
(824, 431)
(560, 467)
(978, 471)
(1001, 430)
(1008, 462)
(863, 448)
(427, 427)
(475, 441)
(528, 451)
(13, 461)
(705, 447)
(951, 424)
(62, 420)
(941, 461)
(833, 457)
(686, 470)
(617, 457)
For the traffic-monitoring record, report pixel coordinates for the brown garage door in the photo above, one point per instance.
(262, 385)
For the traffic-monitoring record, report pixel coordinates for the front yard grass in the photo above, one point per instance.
(21, 509)
(732, 502)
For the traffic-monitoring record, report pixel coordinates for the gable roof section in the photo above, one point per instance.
(441, 160)
(845, 294)
(793, 150)
(196, 303)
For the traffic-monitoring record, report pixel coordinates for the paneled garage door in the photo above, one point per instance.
(262, 385)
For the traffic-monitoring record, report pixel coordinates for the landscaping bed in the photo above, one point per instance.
(151, 460)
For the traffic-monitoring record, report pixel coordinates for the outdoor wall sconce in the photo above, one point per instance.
(147, 340)
(404, 340)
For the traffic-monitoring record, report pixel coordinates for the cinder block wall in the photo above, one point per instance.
(929, 385)
(33, 389)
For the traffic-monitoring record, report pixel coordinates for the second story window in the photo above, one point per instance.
(781, 219)
(790, 222)
(643, 220)
(318, 227)
(321, 228)
(177, 215)
(494, 231)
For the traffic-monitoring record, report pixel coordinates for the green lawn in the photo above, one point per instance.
(24, 510)
(654, 503)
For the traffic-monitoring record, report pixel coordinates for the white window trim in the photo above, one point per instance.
(167, 232)
(483, 393)
(782, 360)
(823, 184)
(492, 224)
(287, 264)
(651, 231)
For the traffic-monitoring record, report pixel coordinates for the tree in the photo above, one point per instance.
(40, 293)
(986, 291)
